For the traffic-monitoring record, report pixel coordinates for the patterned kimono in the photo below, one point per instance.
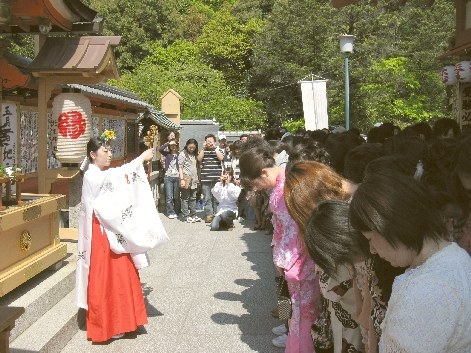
(121, 200)
(303, 285)
(340, 296)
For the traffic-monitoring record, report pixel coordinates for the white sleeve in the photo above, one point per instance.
(233, 191)
(217, 190)
(421, 318)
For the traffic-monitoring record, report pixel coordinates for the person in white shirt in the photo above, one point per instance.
(430, 308)
(227, 193)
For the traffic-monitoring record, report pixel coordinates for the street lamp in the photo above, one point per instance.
(346, 47)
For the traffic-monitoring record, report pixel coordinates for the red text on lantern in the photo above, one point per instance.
(71, 124)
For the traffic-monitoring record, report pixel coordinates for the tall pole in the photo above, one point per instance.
(347, 95)
(346, 47)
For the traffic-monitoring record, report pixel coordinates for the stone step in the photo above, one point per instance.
(51, 332)
(42, 292)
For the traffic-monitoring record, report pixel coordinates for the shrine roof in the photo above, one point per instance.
(159, 118)
(84, 56)
(19, 61)
(49, 16)
(111, 93)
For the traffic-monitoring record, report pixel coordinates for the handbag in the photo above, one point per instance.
(283, 300)
(187, 179)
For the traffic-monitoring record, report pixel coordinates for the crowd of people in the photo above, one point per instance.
(212, 172)
(371, 233)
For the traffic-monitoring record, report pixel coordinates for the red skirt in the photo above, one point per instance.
(115, 300)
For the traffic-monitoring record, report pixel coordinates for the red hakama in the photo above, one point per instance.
(115, 300)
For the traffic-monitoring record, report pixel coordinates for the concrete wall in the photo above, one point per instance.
(197, 129)
(232, 136)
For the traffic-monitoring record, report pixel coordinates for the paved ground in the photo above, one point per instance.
(206, 292)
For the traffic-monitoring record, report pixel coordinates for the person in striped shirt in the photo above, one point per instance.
(210, 158)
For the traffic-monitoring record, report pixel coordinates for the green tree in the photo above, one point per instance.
(194, 20)
(226, 45)
(399, 99)
(393, 50)
(23, 46)
(246, 10)
(301, 38)
(139, 23)
(205, 93)
(297, 41)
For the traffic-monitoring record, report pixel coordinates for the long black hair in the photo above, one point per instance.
(398, 207)
(191, 142)
(331, 241)
(251, 163)
(94, 144)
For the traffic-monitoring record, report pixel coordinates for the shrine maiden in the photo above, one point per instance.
(114, 234)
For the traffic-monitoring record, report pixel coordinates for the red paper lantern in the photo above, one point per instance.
(73, 112)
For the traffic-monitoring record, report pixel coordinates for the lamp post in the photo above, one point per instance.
(346, 47)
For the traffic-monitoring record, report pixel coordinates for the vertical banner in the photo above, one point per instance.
(52, 131)
(29, 140)
(9, 121)
(119, 128)
(314, 94)
(465, 108)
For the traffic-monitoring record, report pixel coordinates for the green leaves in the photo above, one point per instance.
(204, 90)
(395, 91)
(240, 61)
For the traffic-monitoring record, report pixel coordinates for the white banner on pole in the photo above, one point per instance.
(314, 94)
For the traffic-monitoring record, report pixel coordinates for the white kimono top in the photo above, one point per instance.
(122, 201)
(430, 306)
(227, 196)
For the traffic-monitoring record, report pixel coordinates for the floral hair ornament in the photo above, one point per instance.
(107, 135)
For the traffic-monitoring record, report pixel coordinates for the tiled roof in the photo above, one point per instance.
(111, 93)
(84, 56)
(199, 122)
(50, 16)
(159, 118)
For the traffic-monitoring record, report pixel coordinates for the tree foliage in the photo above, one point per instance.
(139, 23)
(205, 92)
(226, 45)
(240, 61)
(302, 38)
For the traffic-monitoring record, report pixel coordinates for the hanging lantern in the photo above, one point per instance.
(346, 43)
(463, 71)
(448, 75)
(73, 112)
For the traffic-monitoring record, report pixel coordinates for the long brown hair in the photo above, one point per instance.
(307, 184)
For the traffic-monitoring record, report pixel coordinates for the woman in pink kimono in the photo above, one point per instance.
(259, 171)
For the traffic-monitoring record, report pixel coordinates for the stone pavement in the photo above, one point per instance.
(206, 292)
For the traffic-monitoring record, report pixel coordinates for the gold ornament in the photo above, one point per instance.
(152, 134)
(25, 241)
